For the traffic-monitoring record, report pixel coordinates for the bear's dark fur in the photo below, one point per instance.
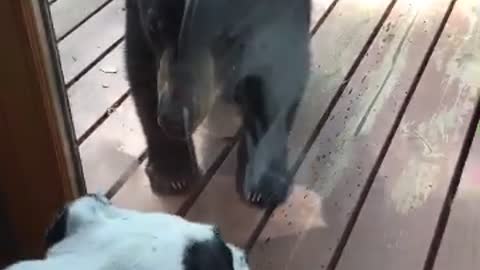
(255, 53)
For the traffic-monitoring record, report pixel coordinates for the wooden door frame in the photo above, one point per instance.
(39, 168)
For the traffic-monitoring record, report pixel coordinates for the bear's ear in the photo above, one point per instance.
(58, 229)
(208, 255)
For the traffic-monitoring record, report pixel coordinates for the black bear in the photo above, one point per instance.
(183, 54)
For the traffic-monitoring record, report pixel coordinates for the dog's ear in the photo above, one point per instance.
(207, 255)
(58, 229)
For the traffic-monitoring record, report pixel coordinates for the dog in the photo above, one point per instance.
(184, 55)
(91, 233)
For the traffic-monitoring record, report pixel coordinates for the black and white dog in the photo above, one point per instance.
(183, 55)
(92, 234)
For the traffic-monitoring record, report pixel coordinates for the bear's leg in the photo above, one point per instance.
(170, 167)
(276, 64)
(262, 173)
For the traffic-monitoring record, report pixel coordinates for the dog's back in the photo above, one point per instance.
(92, 234)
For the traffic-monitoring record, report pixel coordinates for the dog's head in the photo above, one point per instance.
(90, 233)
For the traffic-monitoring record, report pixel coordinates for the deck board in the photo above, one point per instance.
(137, 195)
(337, 167)
(136, 192)
(460, 248)
(335, 55)
(80, 49)
(112, 148)
(118, 141)
(67, 14)
(92, 95)
(220, 198)
(397, 222)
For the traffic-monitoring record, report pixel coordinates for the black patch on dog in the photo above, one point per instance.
(208, 255)
(58, 229)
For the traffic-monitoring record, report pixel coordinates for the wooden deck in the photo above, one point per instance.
(386, 145)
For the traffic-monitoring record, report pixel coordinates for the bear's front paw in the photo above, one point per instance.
(172, 172)
(269, 189)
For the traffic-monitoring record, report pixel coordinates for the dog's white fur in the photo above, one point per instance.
(100, 236)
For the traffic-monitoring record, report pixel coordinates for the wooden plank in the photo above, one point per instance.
(92, 95)
(319, 9)
(136, 193)
(115, 145)
(460, 247)
(88, 42)
(111, 149)
(329, 182)
(119, 141)
(220, 198)
(67, 14)
(335, 54)
(398, 220)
